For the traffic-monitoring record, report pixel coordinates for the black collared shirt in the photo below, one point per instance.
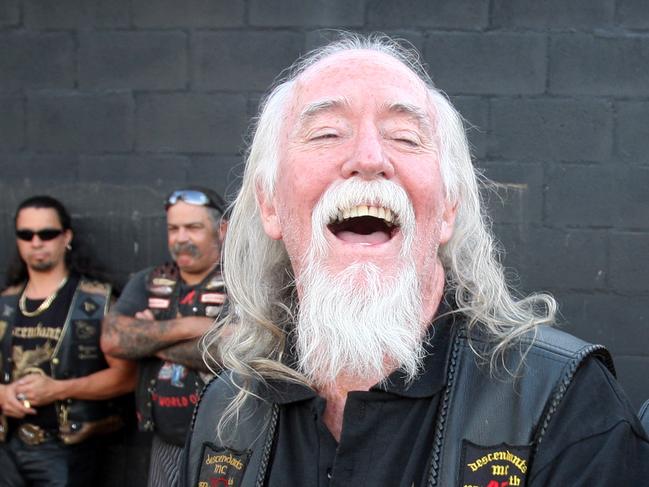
(387, 435)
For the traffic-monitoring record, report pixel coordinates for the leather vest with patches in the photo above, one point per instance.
(76, 354)
(163, 292)
(500, 414)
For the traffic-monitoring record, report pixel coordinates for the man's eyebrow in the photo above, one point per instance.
(421, 116)
(186, 224)
(317, 107)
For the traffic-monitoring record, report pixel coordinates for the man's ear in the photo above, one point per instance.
(448, 223)
(223, 228)
(68, 237)
(268, 214)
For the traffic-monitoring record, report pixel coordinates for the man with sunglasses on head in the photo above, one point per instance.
(160, 317)
(55, 384)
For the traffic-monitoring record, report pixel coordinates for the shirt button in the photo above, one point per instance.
(194, 309)
(329, 473)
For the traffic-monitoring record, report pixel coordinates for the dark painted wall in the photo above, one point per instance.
(109, 104)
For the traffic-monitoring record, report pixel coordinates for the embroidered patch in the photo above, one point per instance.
(493, 466)
(163, 281)
(161, 290)
(84, 329)
(89, 307)
(7, 311)
(221, 467)
(158, 303)
(213, 298)
(212, 311)
(88, 352)
(216, 283)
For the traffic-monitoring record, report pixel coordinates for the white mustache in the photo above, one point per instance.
(355, 191)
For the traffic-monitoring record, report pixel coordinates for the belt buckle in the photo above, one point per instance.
(31, 434)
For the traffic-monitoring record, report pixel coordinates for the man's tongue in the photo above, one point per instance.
(362, 230)
(372, 238)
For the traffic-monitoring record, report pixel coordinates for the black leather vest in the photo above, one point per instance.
(475, 407)
(163, 291)
(77, 354)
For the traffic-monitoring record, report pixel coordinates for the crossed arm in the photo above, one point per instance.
(140, 336)
(40, 390)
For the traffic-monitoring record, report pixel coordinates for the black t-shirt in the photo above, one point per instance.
(34, 339)
(594, 438)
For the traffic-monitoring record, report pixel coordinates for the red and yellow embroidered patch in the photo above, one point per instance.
(493, 466)
(221, 467)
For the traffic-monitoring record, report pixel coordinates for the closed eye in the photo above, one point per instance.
(410, 142)
(323, 135)
(326, 136)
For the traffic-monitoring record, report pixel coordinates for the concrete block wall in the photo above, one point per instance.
(109, 104)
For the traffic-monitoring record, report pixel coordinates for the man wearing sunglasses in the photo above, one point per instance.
(159, 318)
(55, 382)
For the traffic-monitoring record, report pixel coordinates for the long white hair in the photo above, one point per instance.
(258, 275)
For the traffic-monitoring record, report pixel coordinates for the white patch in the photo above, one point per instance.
(213, 298)
(158, 303)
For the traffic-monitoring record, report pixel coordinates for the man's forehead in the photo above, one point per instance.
(35, 215)
(353, 63)
(319, 87)
(185, 214)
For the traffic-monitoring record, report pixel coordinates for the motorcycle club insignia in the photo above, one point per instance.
(212, 311)
(213, 298)
(163, 281)
(7, 311)
(159, 303)
(493, 466)
(221, 467)
(85, 330)
(89, 307)
(216, 284)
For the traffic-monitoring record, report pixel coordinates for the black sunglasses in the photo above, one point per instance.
(45, 234)
(193, 197)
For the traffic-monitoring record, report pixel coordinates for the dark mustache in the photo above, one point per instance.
(184, 248)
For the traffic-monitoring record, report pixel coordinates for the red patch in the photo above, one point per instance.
(189, 298)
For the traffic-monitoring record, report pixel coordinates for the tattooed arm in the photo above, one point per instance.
(142, 336)
(186, 353)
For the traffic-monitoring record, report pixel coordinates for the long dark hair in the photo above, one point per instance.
(78, 260)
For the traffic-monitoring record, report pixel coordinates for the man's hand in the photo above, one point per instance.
(11, 405)
(40, 390)
(146, 314)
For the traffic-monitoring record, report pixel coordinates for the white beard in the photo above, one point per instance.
(359, 322)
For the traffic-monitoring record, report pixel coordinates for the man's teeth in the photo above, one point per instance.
(363, 210)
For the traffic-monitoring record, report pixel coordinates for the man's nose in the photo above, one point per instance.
(368, 159)
(182, 235)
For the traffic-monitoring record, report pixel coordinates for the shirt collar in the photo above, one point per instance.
(430, 380)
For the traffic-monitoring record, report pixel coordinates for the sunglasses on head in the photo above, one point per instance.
(193, 197)
(45, 234)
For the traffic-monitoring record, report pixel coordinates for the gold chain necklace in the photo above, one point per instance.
(43, 306)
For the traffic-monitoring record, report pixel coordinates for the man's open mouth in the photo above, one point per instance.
(364, 224)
